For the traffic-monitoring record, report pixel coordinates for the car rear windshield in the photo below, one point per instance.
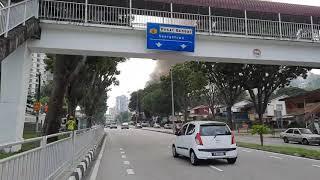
(214, 130)
(305, 131)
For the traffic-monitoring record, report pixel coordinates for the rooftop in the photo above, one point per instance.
(252, 5)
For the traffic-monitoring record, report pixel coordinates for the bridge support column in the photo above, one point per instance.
(15, 70)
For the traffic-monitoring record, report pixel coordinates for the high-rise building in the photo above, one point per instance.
(122, 103)
(38, 67)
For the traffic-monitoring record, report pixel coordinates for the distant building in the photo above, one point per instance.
(38, 67)
(305, 107)
(122, 104)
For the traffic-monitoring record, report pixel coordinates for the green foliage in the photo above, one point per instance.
(44, 100)
(260, 129)
(263, 80)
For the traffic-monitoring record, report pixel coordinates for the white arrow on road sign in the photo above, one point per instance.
(183, 46)
(159, 44)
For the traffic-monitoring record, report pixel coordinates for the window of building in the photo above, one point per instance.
(279, 107)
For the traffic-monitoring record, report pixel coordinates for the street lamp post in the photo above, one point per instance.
(137, 108)
(172, 101)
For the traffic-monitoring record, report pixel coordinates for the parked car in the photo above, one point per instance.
(144, 124)
(125, 126)
(301, 135)
(156, 125)
(168, 126)
(113, 126)
(205, 140)
(138, 126)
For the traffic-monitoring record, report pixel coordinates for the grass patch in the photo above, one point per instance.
(24, 147)
(301, 152)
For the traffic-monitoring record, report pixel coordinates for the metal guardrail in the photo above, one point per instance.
(48, 160)
(16, 14)
(101, 15)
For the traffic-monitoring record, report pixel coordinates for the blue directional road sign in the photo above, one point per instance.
(170, 37)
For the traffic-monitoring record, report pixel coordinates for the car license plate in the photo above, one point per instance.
(218, 153)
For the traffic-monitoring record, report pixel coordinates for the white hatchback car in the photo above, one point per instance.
(205, 140)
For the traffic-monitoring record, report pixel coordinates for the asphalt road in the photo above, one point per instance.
(137, 154)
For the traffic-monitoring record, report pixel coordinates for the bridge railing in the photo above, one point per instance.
(101, 15)
(16, 14)
(48, 160)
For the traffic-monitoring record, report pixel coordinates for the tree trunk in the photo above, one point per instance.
(54, 115)
(229, 116)
(213, 115)
(261, 139)
(260, 118)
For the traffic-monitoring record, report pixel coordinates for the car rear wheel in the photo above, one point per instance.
(305, 142)
(174, 152)
(285, 139)
(193, 158)
(232, 160)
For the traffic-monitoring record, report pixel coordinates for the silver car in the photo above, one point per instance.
(301, 135)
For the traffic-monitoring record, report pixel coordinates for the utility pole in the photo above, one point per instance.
(38, 101)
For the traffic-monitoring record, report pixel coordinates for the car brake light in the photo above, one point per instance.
(198, 139)
(233, 139)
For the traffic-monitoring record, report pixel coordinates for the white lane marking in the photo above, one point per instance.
(316, 166)
(246, 151)
(130, 171)
(126, 162)
(275, 157)
(213, 167)
(123, 156)
(121, 149)
(122, 152)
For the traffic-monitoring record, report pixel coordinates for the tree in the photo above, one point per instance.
(103, 71)
(290, 91)
(263, 80)
(261, 130)
(229, 82)
(65, 68)
(186, 81)
(156, 101)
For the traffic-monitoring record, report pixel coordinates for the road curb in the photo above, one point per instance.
(84, 165)
(94, 173)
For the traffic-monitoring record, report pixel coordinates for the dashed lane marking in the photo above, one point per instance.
(126, 162)
(248, 151)
(213, 167)
(316, 166)
(275, 157)
(130, 172)
(121, 149)
(123, 156)
(122, 152)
